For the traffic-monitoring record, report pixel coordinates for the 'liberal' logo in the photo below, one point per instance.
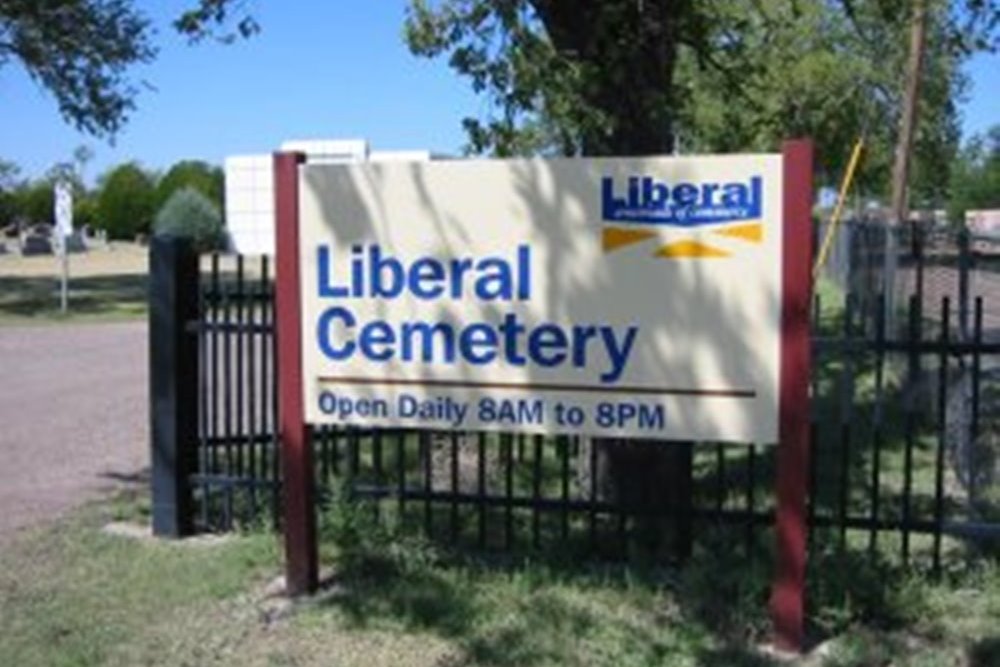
(646, 200)
(634, 209)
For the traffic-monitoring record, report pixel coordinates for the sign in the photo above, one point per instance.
(611, 297)
(64, 210)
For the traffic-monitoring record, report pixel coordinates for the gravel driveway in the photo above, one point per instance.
(73, 416)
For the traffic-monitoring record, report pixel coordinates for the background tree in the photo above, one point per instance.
(975, 178)
(9, 173)
(207, 179)
(85, 210)
(126, 201)
(811, 68)
(35, 201)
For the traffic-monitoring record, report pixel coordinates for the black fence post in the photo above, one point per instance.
(964, 266)
(173, 382)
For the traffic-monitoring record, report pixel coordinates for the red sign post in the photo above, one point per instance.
(301, 553)
(788, 588)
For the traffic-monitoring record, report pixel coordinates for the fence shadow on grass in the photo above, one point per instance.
(543, 606)
(503, 611)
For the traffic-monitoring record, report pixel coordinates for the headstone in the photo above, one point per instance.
(41, 229)
(36, 244)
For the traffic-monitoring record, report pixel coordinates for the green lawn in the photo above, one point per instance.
(105, 283)
(73, 595)
(35, 299)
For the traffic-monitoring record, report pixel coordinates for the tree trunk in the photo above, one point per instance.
(631, 85)
(904, 150)
(649, 480)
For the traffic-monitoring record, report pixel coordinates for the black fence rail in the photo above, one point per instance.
(903, 465)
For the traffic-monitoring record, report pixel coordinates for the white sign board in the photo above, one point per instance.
(63, 209)
(611, 297)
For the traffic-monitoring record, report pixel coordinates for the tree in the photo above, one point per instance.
(813, 69)
(975, 178)
(212, 18)
(567, 77)
(85, 210)
(597, 77)
(79, 50)
(9, 172)
(201, 176)
(126, 202)
(35, 202)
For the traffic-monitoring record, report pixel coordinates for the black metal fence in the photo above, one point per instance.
(904, 448)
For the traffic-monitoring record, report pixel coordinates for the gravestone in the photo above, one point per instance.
(36, 244)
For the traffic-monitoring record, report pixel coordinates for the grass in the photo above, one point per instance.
(105, 284)
(33, 299)
(71, 594)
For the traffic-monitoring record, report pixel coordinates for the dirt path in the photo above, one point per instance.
(73, 416)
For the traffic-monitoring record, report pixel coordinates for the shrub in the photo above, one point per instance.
(189, 214)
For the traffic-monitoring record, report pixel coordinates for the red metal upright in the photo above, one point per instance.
(788, 586)
(301, 555)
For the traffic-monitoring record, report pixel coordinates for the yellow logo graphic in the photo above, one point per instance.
(614, 238)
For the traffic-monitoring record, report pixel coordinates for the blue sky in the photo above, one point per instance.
(317, 70)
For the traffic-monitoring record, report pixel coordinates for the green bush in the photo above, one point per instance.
(189, 214)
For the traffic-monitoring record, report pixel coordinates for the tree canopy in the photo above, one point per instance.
(81, 51)
(200, 176)
(123, 203)
(126, 203)
(975, 180)
(813, 68)
(631, 76)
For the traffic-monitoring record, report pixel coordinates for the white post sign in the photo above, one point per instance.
(63, 209)
(611, 297)
(64, 229)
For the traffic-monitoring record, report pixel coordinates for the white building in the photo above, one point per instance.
(250, 186)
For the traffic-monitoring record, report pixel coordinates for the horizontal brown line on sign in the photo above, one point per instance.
(538, 386)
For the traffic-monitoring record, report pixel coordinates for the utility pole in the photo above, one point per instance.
(904, 151)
